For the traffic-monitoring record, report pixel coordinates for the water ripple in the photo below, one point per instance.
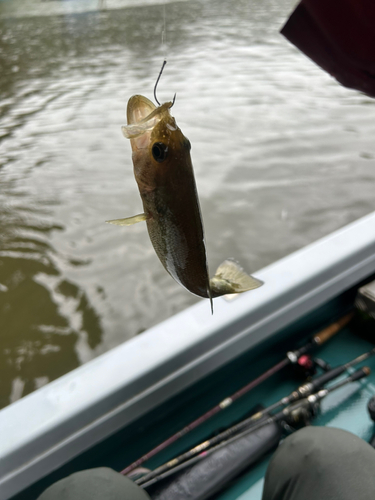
(282, 155)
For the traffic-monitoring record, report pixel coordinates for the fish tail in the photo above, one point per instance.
(231, 278)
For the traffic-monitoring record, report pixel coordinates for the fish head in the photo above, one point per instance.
(157, 142)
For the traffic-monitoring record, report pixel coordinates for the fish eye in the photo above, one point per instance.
(159, 151)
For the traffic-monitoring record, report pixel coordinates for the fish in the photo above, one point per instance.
(164, 173)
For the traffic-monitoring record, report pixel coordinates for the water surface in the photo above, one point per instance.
(282, 154)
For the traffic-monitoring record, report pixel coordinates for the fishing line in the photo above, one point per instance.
(164, 35)
(164, 49)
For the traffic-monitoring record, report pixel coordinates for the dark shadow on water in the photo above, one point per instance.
(38, 338)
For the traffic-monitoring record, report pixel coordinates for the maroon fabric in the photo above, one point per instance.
(339, 36)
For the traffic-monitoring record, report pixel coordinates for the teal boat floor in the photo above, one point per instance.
(345, 408)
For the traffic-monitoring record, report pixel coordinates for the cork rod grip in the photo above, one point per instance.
(332, 329)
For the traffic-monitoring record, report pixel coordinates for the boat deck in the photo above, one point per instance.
(345, 408)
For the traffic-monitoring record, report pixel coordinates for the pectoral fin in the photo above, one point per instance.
(128, 221)
(231, 278)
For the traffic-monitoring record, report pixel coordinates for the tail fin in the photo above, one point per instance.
(231, 278)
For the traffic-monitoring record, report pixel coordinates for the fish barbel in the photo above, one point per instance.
(164, 174)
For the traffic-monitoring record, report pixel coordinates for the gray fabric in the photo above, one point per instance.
(95, 484)
(321, 463)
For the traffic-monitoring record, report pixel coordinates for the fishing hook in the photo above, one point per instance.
(157, 81)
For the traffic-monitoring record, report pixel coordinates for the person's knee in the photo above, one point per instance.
(95, 484)
(320, 447)
(332, 460)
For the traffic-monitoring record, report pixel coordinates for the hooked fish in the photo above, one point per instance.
(164, 174)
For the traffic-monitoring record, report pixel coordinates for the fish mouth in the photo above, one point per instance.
(139, 108)
(143, 115)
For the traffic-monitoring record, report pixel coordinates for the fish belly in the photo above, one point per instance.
(176, 232)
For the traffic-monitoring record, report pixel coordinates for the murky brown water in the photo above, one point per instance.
(282, 156)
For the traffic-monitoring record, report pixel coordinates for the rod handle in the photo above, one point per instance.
(326, 377)
(360, 373)
(331, 330)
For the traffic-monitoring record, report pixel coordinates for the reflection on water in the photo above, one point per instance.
(43, 316)
(282, 156)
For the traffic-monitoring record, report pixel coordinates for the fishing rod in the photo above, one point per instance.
(211, 475)
(291, 358)
(302, 391)
(214, 472)
(296, 413)
(312, 386)
(251, 422)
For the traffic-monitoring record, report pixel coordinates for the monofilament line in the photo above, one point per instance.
(164, 35)
(164, 49)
